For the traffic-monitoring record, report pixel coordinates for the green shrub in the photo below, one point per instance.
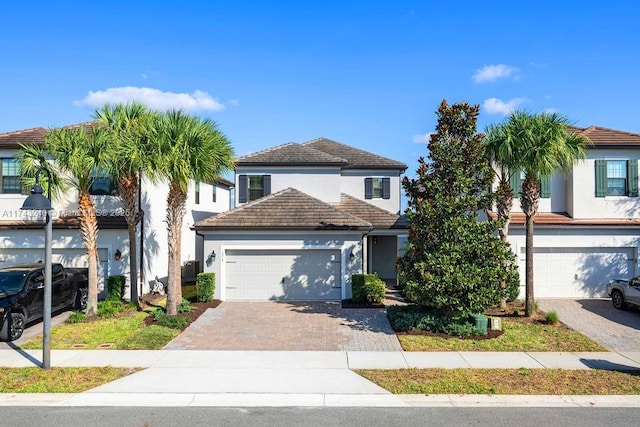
(173, 322)
(552, 317)
(110, 308)
(115, 287)
(415, 317)
(77, 317)
(367, 288)
(185, 306)
(205, 286)
(512, 290)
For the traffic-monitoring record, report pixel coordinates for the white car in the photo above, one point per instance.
(624, 292)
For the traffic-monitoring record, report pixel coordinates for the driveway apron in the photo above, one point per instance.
(288, 326)
(616, 330)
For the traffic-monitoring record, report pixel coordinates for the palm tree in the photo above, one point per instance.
(500, 154)
(78, 153)
(543, 145)
(189, 149)
(129, 132)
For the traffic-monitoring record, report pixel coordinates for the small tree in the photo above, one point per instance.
(455, 262)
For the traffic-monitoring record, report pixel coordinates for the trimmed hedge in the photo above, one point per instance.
(367, 288)
(205, 286)
(115, 287)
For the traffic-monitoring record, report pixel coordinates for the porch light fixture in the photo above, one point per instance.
(351, 257)
(212, 257)
(117, 255)
(38, 202)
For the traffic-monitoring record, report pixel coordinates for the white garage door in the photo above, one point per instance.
(294, 275)
(577, 272)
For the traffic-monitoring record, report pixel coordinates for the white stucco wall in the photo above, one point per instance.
(320, 182)
(583, 183)
(352, 183)
(219, 242)
(556, 203)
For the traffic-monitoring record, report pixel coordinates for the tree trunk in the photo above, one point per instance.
(127, 190)
(529, 196)
(89, 230)
(529, 301)
(176, 201)
(503, 206)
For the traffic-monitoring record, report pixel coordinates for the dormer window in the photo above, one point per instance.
(377, 188)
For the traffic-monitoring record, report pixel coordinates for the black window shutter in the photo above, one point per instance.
(386, 188)
(632, 178)
(368, 188)
(514, 182)
(243, 188)
(266, 185)
(545, 187)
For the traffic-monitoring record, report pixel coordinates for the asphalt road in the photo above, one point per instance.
(195, 416)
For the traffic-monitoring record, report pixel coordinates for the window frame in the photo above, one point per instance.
(22, 188)
(101, 176)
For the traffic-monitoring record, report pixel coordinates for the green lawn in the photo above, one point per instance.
(58, 380)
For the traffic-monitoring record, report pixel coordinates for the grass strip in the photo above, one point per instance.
(505, 381)
(58, 380)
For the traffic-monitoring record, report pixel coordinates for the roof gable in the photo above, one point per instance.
(378, 217)
(286, 209)
(356, 158)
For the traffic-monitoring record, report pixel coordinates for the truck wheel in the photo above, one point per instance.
(13, 327)
(82, 297)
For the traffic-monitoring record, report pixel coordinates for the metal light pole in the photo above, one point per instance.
(36, 201)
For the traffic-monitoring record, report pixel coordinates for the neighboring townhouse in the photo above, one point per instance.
(22, 235)
(587, 229)
(308, 216)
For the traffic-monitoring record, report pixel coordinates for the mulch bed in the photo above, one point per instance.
(150, 301)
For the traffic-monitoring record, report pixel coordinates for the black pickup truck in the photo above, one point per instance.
(22, 295)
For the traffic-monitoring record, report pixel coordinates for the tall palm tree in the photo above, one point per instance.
(188, 149)
(500, 153)
(129, 131)
(543, 145)
(77, 153)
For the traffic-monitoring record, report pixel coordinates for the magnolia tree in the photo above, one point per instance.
(455, 261)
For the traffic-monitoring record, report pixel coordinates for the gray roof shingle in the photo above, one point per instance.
(356, 158)
(290, 154)
(379, 218)
(286, 209)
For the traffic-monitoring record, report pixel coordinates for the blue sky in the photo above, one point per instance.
(367, 73)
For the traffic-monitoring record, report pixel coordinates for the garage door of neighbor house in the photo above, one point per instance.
(67, 257)
(294, 275)
(578, 272)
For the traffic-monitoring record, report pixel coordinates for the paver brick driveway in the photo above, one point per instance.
(616, 330)
(288, 326)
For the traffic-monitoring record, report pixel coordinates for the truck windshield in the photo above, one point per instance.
(12, 281)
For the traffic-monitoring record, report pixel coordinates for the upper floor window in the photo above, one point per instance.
(377, 188)
(253, 187)
(101, 183)
(616, 178)
(11, 180)
(517, 179)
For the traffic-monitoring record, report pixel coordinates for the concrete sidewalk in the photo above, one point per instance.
(305, 378)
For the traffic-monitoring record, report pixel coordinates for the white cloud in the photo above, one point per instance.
(153, 98)
(498, 106)
(491, 73)
(421, 138)
(235, 102)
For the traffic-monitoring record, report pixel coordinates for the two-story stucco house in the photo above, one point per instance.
(587, 230)
(22, 236)
(308, 216)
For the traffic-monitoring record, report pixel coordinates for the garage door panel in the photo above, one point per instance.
(296, 275)
(578, 272)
